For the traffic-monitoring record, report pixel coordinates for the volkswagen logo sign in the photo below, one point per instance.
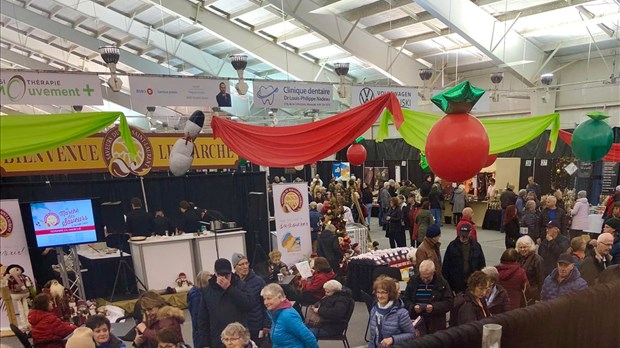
(366, 95)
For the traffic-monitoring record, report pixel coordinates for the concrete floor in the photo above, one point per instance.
(492, 244)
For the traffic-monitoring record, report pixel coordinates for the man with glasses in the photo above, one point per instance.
(225, 300)
(254, 284)
(563, 279)
(612, 226)
(430, 297)
(598, 260)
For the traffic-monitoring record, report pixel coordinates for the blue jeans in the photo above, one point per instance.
(369, 207)
(437, 215)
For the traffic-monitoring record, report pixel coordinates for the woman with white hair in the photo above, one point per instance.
(579, 213)
(235, 335)
(287, 327)
(496, 296)
(333, 310)
(532, 263)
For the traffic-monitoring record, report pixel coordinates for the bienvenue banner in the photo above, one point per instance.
(279, 94)
(292, 221)
(20, 87)
(178, 91)
(13, 246)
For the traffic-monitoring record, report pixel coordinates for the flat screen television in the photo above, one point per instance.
(63, 222)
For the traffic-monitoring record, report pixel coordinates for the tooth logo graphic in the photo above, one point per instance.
(266, 94)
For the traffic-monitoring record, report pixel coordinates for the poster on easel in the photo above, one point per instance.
(341, 171)
(292, 222)
(13, 251)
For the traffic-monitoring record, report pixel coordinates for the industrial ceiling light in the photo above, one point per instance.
(240, 62)
(342, 69)
(77, 108)
(425, 74)
(111, 55)
(496, 78)
(546, 79)
(150, 109)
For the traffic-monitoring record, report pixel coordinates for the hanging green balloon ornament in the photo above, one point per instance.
(592, 139)
(423, 161)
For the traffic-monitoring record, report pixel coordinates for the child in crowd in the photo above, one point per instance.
(101, 328)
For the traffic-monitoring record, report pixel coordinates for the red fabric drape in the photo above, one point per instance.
(612, 156)
(302, 144)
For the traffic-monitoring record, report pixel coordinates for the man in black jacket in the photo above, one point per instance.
(429, 295)
(463, 257)
(190, 221)
(329, 248)
(553, 244)
(138, 222)
(552, 213)
(226, 300)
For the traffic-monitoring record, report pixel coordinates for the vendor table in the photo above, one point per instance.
(228, 243)
(492, 219)
(359, 277)
(99, 273)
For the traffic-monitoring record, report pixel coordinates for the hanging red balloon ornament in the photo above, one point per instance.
(490, 160)
(356, 153)
(457, 146)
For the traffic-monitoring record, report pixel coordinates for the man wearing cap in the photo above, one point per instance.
(429, 249)
(508, 197)
(612, 226)
(468, 214)
(552, 213)
(226, 300)
(254, 284)
(463, 257)
(315, 224)
(552, 246)
(563, 279)
(598, 259)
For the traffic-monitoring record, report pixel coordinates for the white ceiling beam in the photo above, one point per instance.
(373, 9)
(54, 28)
(487, 33)
(267, 51)
(270, 22)
(167, 43)
(394, 64)
(398, 23)
(314, 46)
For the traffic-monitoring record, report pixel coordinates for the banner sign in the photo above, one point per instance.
(292, 221)
(279, 94)
(108, 153)
(360, 94)
(13, 246)
(341, 171)
(177, 91)
(20, 87)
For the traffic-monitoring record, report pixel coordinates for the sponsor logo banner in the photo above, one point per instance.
(292, 222)
(407, 96)
(13, 249)
(20, 87)
(108, 153)
(177, 91)
(278, 94)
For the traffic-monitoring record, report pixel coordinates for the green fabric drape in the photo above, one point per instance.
(504, 135)
(30, 134)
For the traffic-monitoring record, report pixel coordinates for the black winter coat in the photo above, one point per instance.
(441, 299)
(256, 315)
(220, 307)
(512, 233)
(329, 248)
(453, 263)
(466, 310)
(560, 218)
(333, 311)
(551, 250)
(395, 224)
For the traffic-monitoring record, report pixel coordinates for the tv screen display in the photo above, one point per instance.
(66, 222)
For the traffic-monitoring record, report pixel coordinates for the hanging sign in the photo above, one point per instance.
(361, 94)
(108, 153)
(610, 177)
(13, 247)
(178, 91)
(292, 221)
(341, 171)
(278, 94)
(20, 87)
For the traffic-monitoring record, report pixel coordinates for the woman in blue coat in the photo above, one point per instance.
(389, 319)
(287, 328)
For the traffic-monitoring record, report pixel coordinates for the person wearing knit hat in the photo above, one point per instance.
(82, 338)
(613, 226)
(429, 249)
(254, 284)
(462, 258)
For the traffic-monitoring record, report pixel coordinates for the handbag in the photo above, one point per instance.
(313, 319)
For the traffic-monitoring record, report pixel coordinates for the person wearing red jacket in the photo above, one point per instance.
(47, 330)
(322, 273)
(468, 214)
(512, 277)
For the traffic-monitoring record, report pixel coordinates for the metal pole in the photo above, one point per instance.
(78, 272)
(146, 204)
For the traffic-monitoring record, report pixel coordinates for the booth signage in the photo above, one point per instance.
(20, 87)
(174, 91)
(272, 94)
(292, 221)
(108, 153)
(361, 94)
(610, 177)
(13, 248)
